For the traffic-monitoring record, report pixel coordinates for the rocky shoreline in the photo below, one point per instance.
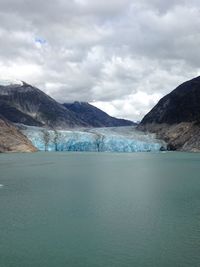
(12, 140)
(183, 136)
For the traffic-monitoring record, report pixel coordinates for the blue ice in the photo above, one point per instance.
(117, 139)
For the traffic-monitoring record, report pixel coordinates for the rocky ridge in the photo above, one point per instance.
(29, 105)
(26, 104)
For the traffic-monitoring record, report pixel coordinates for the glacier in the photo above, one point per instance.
(112, 139)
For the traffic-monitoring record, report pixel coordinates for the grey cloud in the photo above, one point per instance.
(121, 55)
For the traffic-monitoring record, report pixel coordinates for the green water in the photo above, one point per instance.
(105, 210)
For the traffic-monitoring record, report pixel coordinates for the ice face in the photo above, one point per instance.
(118, 139)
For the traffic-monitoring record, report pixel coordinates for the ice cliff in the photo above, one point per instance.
(117, 139)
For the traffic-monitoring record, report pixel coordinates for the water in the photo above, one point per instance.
(100, 210)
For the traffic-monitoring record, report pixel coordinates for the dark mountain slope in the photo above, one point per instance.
(13, 114)
(176, 117)
(181, 105)
(94, 116)
(29, 105)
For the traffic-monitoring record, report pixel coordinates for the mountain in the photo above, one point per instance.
(12, 140)
(181, 105)
(176, 117)
(95, 117)
(23, 103)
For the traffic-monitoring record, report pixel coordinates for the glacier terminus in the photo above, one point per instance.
(109, 139)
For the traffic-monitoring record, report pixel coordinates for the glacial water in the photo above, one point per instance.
(114, 139)
(100, 210)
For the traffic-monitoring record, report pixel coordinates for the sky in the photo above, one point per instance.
(120, 55)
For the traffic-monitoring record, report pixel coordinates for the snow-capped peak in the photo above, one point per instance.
(6, 82)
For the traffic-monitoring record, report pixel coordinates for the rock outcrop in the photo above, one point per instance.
(12, 140)
(176, 117)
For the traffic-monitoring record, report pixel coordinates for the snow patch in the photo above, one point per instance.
(7, 82)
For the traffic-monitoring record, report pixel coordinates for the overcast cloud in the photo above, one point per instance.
(120, 55)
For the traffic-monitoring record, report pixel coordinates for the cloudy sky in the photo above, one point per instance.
(120, 55)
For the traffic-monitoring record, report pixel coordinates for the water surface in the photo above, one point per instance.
(100, 210)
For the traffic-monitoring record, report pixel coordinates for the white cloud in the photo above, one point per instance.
(120, 54)
(130, 106)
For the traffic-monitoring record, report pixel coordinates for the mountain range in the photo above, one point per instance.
(95, 117)
(22, 103)
(26, 104)
(175, 119)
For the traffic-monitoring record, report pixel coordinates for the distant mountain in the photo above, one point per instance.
(12, 140)
(176, 117)
(23, 103)
(95, 117)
